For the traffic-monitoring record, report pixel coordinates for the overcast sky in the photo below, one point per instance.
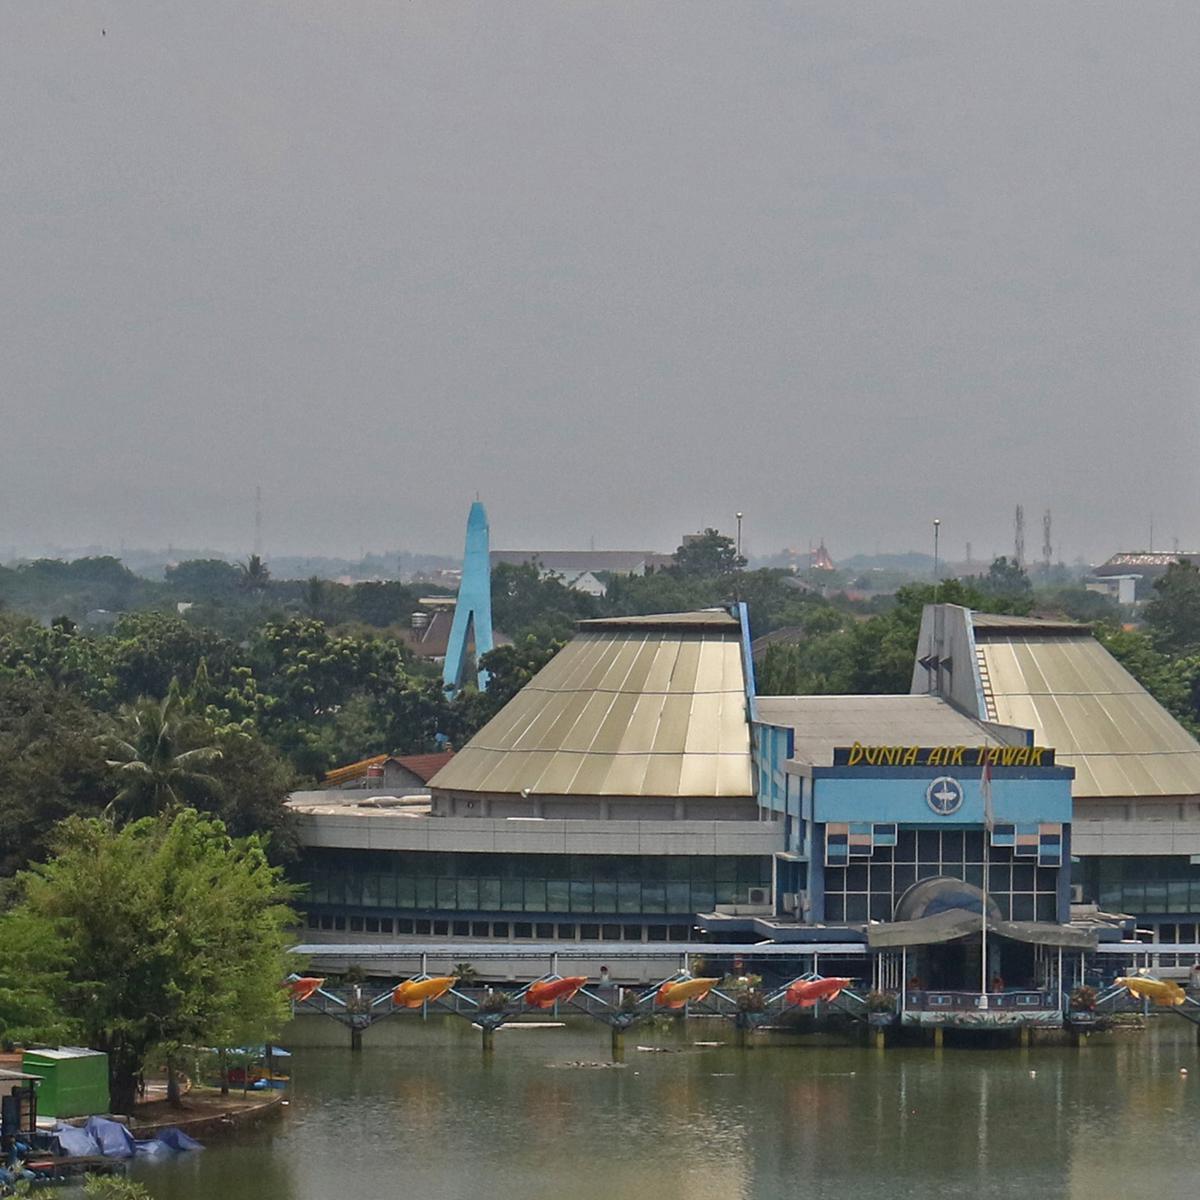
(622, 268)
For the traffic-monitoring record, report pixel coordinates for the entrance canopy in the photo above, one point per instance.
(958, 923)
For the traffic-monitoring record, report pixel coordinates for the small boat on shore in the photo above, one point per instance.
(677, 994)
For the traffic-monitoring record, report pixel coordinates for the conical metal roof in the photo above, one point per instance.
(643, 706)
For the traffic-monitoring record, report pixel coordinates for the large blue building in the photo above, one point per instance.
(639, 791)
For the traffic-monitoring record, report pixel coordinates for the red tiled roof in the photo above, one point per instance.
(425, 766)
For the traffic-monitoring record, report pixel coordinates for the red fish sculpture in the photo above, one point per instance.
(804, 993)
(545, 992)
(303, 988)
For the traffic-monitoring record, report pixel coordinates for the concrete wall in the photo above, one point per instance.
(946, 634)
(390, 830)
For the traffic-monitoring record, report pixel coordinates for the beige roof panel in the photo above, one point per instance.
(1077, 698)
(651, 706)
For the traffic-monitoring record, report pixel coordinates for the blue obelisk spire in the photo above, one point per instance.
(473, 609)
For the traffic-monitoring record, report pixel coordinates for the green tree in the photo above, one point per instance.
(51, 765)
(155, 762)
(708, 554)
(255, 575)
(171, 933)
(1174, 614)
(204, 579)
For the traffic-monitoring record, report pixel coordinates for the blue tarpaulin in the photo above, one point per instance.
(110, 1139)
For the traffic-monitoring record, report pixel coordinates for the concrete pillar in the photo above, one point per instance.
(618, 1044)
(489, 1040)
(355, 1039)
(939, 1037)
(1026, 1037)
(880, 1033)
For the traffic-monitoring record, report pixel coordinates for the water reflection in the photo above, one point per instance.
(419, 1112)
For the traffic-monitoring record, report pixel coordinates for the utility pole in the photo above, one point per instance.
(258, 521)
(937, 527)
(1019, 537)
(1047, 548)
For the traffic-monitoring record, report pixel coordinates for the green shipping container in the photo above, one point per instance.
(74, 1081)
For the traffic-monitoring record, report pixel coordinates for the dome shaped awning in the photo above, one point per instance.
(942, 894)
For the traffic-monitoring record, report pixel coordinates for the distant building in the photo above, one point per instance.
(388, 772)
(580, 569)
(819, 559)
(1149, 564)
(1121, 588)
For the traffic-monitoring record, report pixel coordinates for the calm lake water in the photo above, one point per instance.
(419, 1113)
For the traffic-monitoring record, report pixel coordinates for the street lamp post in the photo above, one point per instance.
(739, 535)
(937, 527)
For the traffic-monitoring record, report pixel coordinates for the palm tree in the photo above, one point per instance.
(255, 574)
(154, 772)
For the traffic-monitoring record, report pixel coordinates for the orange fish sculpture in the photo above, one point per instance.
(545, 992)
(676, 995)
(412, 993)
(303, 988)
(804, 993)
(1161, 991)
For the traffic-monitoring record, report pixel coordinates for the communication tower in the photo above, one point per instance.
(1019, 537)
(1047, 547)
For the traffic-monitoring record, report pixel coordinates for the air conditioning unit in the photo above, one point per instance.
(791, 902)
(760, 895)
(1077, 893)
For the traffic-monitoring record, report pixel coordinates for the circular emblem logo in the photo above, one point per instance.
(944, 795)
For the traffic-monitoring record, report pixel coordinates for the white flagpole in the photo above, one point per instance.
(989, 820)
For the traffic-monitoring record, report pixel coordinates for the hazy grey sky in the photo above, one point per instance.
(623, 268)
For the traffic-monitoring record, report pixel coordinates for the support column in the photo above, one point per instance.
(618, 1044)
(355, 1039)
(939, 1037)
(1026, 1037)
(880, 1033)
(489, 1040)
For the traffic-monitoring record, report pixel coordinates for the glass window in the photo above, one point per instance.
(339, 922)
(680, 933)
(725, 892)
(404, 925)
(589, 933)
(387, 891)
(631, 933)
(522, 929)
(905, 876)
(468, 893)
(462, 929)
(656, 933)
(679, 897)
(856, 878)
(1022, 877)
(704, 898)
(441, 928)
(610, 933)
(856, 907)
(654, 897)
(906, 846)
(881, 907)
(512, 894)
(1156, 895)
(558, 895)
(313, 921)
(835, 908)
(535, 895)
(406, 893)
(605, 895)
(1177, 895)
(326, 922)
(1023, 907)
(1047, 907)
(499, 929)
(581, 895)
(371, 925)
(999, 877)
(952, 846)
(426, 892)
(447, 893)
(479, 929)
(929, 848)
(545, 931)
(973, 846)
(566, 933)
(423, 928)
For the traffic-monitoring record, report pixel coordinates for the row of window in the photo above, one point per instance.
(897, 878)
(739, 869)
(1156, 896)
(549, 931)
(861, 906)
(524, 895)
